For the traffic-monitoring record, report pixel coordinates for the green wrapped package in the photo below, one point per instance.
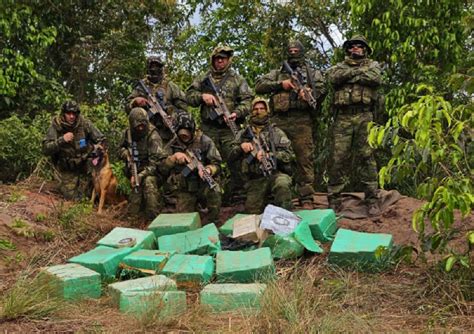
(232, 297)
(104, 260)
(147, 259)
(358, 248)
(168, 303)
(284, 247)
(245, 266)
(72, 281)
(121, 237)
(172, 223)
(202, 241)
(189, 271)
(322, 223)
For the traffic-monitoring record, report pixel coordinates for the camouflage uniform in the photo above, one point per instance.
(171, 98)
(258, 186)
(237, 96)
(191, 189)
(293, 115)
(70, 158)
(149, 149)
(355, 82)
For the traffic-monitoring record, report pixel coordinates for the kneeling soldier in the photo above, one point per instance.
(141, 148)
(192, 163)
(265, 155)
(69, 141)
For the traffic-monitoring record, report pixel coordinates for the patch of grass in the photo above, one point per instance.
(47, 235)
(301, 304)
(21, 228)
(30, 298)
(7, 245)
(40, 217)
(154, 314)
(74, 214)
(15, 196)
(15, 259)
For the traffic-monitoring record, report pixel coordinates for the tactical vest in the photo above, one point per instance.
(142, 150)
(285, 101)
(73, 155)
(354, 94)
(192, 181)
(229, 90)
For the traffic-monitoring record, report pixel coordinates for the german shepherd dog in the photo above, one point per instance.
(104, 180)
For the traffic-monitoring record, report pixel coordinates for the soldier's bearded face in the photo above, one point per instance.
(70, 117)
(259, 110)
(219, 63)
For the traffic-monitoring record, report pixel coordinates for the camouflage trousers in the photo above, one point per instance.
(73, 185)
(186, 201)
(147, 200)
(259, 190)
(352, 167)
(224, 139)
(298, 128)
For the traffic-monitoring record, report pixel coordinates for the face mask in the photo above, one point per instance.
(140, 131)
(155, 73)
(185, 135)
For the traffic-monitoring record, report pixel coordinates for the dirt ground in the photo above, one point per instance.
(41, 231)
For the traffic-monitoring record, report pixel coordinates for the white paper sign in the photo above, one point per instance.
(279, 220)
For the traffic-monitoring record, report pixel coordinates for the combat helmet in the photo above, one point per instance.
(357, 39)
(137, 116)
(185, 121)
(223, 51)
(297, 45)
(70, 106)
(154, 59)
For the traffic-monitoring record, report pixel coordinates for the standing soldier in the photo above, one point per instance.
(191, 165)
(265, 155)
(355, 82)
(169, 96)
(142, 148)
(236, 95)
(295, 91)
(69, 140)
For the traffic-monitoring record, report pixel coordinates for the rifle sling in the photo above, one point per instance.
(221, 83)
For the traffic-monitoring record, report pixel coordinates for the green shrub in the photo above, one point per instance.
(20, 140)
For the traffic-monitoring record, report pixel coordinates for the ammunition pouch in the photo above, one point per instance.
(280, 102)
(351, 94)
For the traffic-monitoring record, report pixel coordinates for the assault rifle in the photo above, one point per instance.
(267, 165)
(221, 108)
(156, 108)
(133, 160)
(196, 163)
(298, 82)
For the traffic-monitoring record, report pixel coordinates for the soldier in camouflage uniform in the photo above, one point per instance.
(278, 149)
(237, 96)
(292, 114)
(69, 140)
(171, 98)
(147, 148)
(355, 80)
(188, 184)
